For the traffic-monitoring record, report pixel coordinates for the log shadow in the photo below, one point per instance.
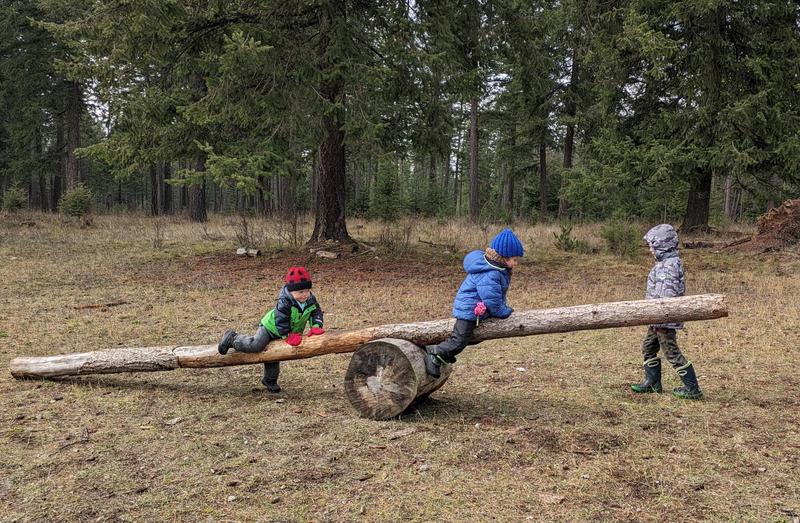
(248, 390)
(492, 406)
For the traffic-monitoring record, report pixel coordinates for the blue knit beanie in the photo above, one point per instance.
(507, 245)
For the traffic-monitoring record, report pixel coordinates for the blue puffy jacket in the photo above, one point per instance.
(484, 282)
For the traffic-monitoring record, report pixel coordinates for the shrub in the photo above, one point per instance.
(395, 237)
(623, 237)
(565, 241)
(14, 198)
(76, 201)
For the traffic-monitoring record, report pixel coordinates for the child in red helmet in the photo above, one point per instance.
(295, 308)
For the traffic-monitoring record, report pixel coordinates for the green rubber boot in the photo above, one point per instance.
(690, 390)
(652, 377)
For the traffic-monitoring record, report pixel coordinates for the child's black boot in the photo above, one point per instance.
(269, 379)
(691, 389)
(226, 342)
(434, 361)
(652, 377)
(271, 385)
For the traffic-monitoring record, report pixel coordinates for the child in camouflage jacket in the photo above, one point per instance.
(665, 280)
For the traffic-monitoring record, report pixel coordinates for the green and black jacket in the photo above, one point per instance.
(288, 315)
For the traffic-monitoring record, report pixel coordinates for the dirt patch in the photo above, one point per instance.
(269, 270)
(777, 229)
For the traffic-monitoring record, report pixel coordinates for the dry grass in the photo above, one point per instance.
(563, 440)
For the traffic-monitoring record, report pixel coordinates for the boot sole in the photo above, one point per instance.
(688, 397)
(649, 391)
(272, 390)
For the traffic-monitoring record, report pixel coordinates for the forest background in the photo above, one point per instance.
(685, 111)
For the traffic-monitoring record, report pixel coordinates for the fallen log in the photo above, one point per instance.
(523, 323)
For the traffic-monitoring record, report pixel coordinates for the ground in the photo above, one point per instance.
(541, 428)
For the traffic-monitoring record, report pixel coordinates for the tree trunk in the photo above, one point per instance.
(569, 138)
(474, 197)
(507, 201)
(329, 223)
(36, 181)
(446, 173)
(697, 208)
(524, 323)
(385, 376)
(542, 181)
(433, 200)
(154, 183)
(569, 143)
(510, 167)
(197, 194)
(314, 182)
(729, 203)
(164, 189)
(775, 182)
(288, 209)
(58, 173)
(72, 116)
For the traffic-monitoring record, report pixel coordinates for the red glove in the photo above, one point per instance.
(316, 331)
(294, 339)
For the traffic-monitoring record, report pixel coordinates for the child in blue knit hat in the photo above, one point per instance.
(482, 295)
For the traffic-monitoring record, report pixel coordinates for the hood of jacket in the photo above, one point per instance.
(664, 241)
(475, 263)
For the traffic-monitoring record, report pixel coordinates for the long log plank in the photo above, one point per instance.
(522, 323)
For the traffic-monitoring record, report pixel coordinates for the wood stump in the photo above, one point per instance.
(385, 376)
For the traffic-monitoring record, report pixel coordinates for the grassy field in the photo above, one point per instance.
(541, 428)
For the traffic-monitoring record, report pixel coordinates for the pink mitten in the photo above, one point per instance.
(316, 331)
(480, 309)
(294, 339)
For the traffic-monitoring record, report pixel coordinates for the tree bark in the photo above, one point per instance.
(165, 191)
(385, 376)
(36, 183)
(542, 180)
(58, 173)
(729, 201)
(329, 222)
(508, 189)
(154, 184)
(474, 196)
(197, 194)
(697, 207)
(72, 116)
(507, 199)
(524, 323)
(569, 137)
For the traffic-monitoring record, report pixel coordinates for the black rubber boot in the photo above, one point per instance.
(434, 361)
(226, 342)
(269, 378)
(271, 385)
(690, 390)
(652, 377)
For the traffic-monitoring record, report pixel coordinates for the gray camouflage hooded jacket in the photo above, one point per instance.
(666, 279)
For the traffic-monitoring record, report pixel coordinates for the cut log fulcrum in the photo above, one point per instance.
(385, 375)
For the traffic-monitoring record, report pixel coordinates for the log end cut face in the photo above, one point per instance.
(381, 381)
